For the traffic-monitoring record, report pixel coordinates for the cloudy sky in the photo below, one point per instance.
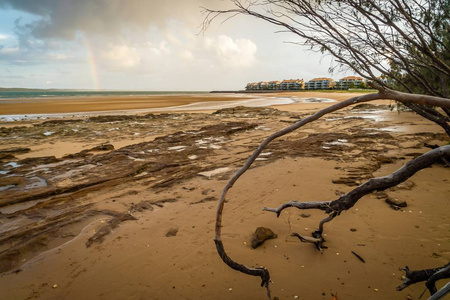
(142, 45)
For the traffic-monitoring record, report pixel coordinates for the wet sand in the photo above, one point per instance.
(57, 105)
(123, 206)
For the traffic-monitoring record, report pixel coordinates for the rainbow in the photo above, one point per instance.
(91, 61)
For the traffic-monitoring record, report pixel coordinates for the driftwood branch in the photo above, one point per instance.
(318, 242)
(441, 293)
(349, 199)
(431, 276)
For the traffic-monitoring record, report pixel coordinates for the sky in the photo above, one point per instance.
(144, 45)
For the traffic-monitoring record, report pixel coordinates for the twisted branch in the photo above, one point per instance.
(384, 93)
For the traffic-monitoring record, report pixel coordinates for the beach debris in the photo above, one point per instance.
(209, 174)
(395, 203)
(102, 147)
(141, 206)
(100, 234)
(172, 232)
(207, 199)
(358, 256)
(177, 148)
(261, 235)
(48, 133)
(316, 239)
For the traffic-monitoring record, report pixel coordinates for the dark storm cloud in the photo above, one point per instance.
(63, 18)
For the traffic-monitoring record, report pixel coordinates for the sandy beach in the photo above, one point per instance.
(120, 204)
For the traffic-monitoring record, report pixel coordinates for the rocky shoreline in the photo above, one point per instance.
(60, 176)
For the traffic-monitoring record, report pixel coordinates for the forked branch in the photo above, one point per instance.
(345, 201)
(431, 276)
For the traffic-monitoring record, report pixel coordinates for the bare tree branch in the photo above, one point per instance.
(406, 41)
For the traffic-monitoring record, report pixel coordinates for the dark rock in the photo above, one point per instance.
(207, 199)
(305, 215)
(406, 185)
(141, 206)
(13, 180)
(100, 234)
(352, 229)
(17, 150)
(42, 160)
(395, 202)
(384, 160)
(59, 122)
(172, 232)
(261, 235)
(104, 147)
(5, 156)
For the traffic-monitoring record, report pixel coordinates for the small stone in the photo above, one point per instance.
(376, 290)
(337, 253)
(230, 289)
(395, 202)
(172, 232)
(295, 297)
(261, 235)
(305, 215)
(352, 229)
(55, 286)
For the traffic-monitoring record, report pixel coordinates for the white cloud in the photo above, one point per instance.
(121, 57)
(232, 53)
(57, 56)
(186, 55)
(9, 50)
(3, 36)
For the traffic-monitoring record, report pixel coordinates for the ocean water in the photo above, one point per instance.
(8, 95)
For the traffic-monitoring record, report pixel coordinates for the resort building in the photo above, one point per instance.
(291, 84)
(274, 85)
(350, 82)
(320, 84)
(386, 80)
